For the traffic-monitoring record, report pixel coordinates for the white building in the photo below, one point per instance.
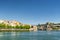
(11, 23)
(1, 21)
(14, 23)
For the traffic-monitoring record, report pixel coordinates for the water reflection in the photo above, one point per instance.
(39, 35)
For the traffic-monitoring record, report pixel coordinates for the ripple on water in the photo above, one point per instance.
(39, 35)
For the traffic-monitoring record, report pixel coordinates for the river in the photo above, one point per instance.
(39, 35)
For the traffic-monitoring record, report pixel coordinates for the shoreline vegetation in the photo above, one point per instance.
(13, 25)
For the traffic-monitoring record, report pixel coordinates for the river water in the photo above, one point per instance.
(39, 35)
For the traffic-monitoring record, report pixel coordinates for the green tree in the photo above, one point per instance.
(26, 27)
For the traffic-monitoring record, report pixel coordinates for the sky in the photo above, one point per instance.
(30, 11)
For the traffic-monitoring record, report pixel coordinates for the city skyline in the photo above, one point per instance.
(30, 11)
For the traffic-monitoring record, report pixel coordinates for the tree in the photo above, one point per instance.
(2, 25)
(26, 27)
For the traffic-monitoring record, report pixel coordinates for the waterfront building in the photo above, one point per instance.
(10, 23)
(14, 23)
(33, 28)
(4, 22)
(49, 27)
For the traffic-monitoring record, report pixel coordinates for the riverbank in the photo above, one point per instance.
(13, 30)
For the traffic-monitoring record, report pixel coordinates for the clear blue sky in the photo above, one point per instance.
(30, 11)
